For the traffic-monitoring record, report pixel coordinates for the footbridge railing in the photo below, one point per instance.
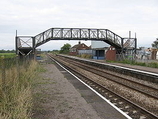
(79, 34)
(26, 45)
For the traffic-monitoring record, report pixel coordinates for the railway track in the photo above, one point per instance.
(97, 79)
(136, 73)
(125, 81)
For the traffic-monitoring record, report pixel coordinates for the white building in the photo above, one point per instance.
(99, 44)
(99, 49)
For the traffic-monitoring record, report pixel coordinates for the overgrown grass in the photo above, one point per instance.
(153, 64)
(149, 64)
(15, 93)
(87, 56)
(7, 55)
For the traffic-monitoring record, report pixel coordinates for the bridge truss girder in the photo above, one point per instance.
(78, 34)
(26, 45)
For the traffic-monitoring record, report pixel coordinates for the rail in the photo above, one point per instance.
(101, 87)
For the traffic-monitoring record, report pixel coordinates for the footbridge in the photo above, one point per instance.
(26, 45)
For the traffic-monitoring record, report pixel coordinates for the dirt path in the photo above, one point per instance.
(56, 98)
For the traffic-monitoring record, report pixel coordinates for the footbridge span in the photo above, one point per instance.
(26, 45)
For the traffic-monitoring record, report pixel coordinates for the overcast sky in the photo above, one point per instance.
(31, 17)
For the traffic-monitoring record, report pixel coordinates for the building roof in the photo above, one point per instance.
(80, 46)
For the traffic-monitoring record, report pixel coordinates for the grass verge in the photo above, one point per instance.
(7, 55)
(15, 94)
(149, 64)
(87, 56)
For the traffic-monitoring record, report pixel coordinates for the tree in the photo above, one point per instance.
(7, 51)
(155, 44)
(65, 49)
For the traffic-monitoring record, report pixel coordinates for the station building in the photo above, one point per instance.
(98, 49)
(79, 49)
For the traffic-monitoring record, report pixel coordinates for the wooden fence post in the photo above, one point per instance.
(17, 66)
(3, 72)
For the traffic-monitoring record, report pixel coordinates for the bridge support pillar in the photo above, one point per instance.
(25, 46)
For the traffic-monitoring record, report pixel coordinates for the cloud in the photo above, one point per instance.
(31, 17)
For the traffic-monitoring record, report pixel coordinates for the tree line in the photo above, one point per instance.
(7, 51)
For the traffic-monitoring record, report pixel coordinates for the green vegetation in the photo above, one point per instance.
(15, 91)
(65, 49)
(54, 51)
(7, 51)
(153, 64)
(87, 56)
(150, 64)
(7, 55)
(155, 44)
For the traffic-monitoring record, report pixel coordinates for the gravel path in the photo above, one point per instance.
(56, 98)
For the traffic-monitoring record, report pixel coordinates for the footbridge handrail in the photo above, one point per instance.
(27, 44)
(78, 34)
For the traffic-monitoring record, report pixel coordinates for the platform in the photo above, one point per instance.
(104, 110)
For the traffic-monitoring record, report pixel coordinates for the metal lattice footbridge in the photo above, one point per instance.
(26, 45)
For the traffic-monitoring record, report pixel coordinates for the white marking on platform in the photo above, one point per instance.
(123, 113)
